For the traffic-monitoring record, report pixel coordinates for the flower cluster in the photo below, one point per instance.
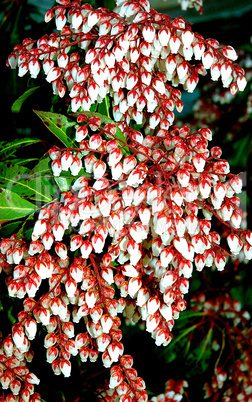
(135, 55)
(138, 223)
(14, 374)
(197, 4)
(174, 391)
(232, 379)
(214, 104)
(125, 238)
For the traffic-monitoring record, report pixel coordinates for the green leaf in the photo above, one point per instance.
(104, 119)
(205, 344)
(59, 125)
(181, 336)
(109, 4)
(242, 149)
(173, 351)
(197, 360)
(64, 183)
(9, 228)
(103, 108)
(23, 161)
(19, 180)
(8, 148)
(16, 107)
(12, 206)
(93, 107)
(42, 168)
(11, 318)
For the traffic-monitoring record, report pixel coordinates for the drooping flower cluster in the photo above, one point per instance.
(14, 374)
(215, 104)
(127, 235)
(135, 55)
(139, 223)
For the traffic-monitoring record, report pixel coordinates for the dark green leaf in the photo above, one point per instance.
(93, 107)
(64, 183)
(19, 180)
(12, 206)
(16, 107)
(109, 4)
(8, 148)
(23, 161)
(11, 318)
(242, 149)
(9, 228)
(103, 108)
(59, 125)
(197, 360)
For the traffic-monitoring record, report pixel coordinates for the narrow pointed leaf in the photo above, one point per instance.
(9, 228)
(8, 148)
(16, 107)
(18, 179)
(64, 183)
(103, 108)
(59, 125)
(12, 206)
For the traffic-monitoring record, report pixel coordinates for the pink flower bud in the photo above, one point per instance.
(66, 160)
(103, 341)
(60, 21)
(65, 367)
(47, 240)
(115, 350)
(17, 255)
(23, 68)
(187, 38)
(56, 167)
(148, 33)
(48, 64)
(131, 81)
(106, 323)
(61, 250)
(215, 71)
(199, 163)
(174, 43)
(207, 59)
(70, 286)
(226, 71)
(35, 247)
(153, 305)
(241, 82)
(220, 262)
(76, 20)
(53, 74)
(164, 36)
(166, 311)
(152, 322)
(93, 18)
(12, 60)
(52, 354)
(34, 68)
(99, 169)
(236, 184)
(76, 166)
(30, 328)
